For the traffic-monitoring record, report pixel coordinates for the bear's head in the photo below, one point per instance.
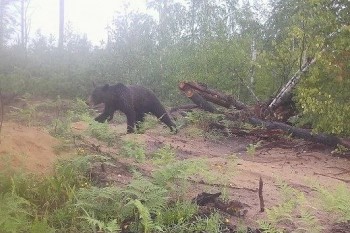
(99, 95)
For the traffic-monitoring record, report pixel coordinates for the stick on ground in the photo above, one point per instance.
(261, 198)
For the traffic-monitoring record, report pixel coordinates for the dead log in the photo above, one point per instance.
(300, 133)
(199, 100)
(191, 89)
(183, 108)
(212, 95)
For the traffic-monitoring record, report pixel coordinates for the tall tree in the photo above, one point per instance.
(7, 21)
(61, 24)
(25, 23)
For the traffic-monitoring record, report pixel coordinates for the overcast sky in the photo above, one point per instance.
(90, 17)
(86, 16)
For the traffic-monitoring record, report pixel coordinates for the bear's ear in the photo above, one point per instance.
(105, 87)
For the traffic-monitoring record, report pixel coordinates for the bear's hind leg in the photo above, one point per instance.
(166, 120)
(163, 116)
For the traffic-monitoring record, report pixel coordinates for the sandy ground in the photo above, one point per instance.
(28, 148)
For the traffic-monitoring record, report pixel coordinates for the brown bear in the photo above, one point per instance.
(134, 101)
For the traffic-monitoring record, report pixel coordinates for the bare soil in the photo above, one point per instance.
(28, 148)
(298, 163)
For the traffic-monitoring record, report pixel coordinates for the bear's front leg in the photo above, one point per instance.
(131, 118)
(107, 113)
(110, 117)
(101, 118)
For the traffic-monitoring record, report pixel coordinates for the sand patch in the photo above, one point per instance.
(28, 148)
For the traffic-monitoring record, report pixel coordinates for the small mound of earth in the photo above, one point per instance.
(27, 148)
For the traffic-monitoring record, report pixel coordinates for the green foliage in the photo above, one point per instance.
(203, 121)
(251, 148)
(313, 29)
(164, 155)
(80, 108)
(41, 226)
(133, 149)
(111, 226)
(177, 214)
(323, 97)
(61, 128)
(149, 123)
(99, 205)
(14, 213)
(255, 46)
(170, 174)
(143, 216)
(27, 115)
(209, 224)
(152, 195)
(100, 131)
(67, 201)
(336, 200)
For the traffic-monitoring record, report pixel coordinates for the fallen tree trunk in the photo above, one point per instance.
(200, 101)
(212, 95)
(191, 90)
(183, 107)
(300, 133)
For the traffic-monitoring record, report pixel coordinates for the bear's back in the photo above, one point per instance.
(143, 98)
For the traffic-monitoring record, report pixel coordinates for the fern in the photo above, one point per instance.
(267, 227)
(133, 149)
(164, 155)
(152, 196)
(293, 203)
(41, 226)
(144, 216)
(308, 222)
(178, 213)
(178, 170)
(336, 200)
(14, 213)
(103, 202)
(100, 131)
(206, 224)
(111, 226)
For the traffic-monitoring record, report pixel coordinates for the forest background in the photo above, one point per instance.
(228, 44)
